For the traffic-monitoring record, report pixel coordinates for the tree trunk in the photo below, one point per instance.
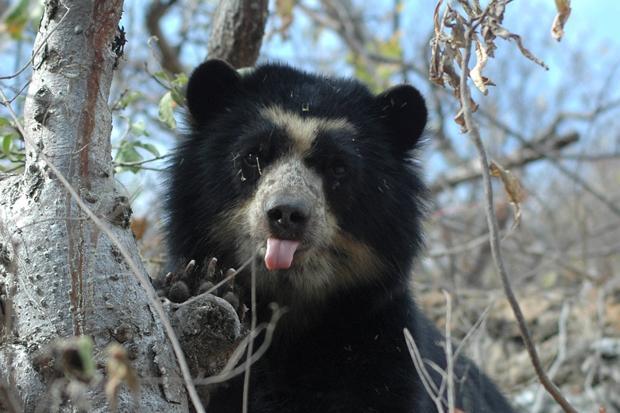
(60, 276)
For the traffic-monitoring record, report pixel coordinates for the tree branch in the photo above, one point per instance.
(237, 31)
(555, 158)
(492, 223)
(525, 155)
(169, 57)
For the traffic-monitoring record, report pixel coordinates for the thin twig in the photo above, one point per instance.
(18, 93)
(554, 158)
(230, 371)
(36, 51)
(248, 363)
(142, 162)
(560, 358)
(473, 330)
(496, 252)
(169, 58)
(449, 355)
(425, 377)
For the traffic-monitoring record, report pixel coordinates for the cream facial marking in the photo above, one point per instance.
(329, 259)
(302, 130)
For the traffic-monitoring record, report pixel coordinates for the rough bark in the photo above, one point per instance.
(237, 31)
(59, 274)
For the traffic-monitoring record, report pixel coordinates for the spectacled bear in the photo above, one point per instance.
(314, 179)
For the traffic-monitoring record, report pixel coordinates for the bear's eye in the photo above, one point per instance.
(251, 160)
(338, 169)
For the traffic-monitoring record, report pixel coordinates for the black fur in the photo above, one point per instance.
(345, 353)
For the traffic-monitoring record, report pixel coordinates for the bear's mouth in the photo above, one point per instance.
(279, 253)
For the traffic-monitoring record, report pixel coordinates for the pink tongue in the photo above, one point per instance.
(280, 253)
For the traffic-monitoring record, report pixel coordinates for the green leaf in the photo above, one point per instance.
(180, 80)
(10, 148)
(178, 96)
(391, 47)
(166, 110)
(85, 350)
(163, 76)
(7, 140)
(149, 147)
(4, 122)
(16, 19)
(177, 88)
(138, 129)
(128, 98)
(128, 154)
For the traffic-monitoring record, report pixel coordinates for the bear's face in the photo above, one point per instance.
(293, 176)
(309, 175)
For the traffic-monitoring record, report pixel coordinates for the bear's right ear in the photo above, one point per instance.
(404, 113)
(209, 88)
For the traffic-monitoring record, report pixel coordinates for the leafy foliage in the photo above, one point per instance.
(173, 98)
(12, 154)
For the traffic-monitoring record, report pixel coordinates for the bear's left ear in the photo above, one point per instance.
(210, 88)
(403, 111)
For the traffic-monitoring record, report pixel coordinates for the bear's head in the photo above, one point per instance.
(311, 176)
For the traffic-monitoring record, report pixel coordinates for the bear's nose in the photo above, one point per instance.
(287, 218)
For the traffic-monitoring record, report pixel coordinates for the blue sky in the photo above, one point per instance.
(596, 18)
(593, 27)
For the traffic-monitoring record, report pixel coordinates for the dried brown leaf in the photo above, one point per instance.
(473, 10)
(505, 34)
(459, 119)
(480, 81)
(557, 28)
(74, 358)
(494, 16)
(491, 27)
(436, 67)
(451, 76)
(284, 9)
(119, 371)
(512, 186)
(449, 39)
(139, 227)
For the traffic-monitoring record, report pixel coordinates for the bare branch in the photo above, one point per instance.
(496, 251)
(523, 156)
(425, 377)
(230, 371)
(248, 363)
(449, 379)
(554, 158)
(36, 51)
(169, 56)
(562, 345)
